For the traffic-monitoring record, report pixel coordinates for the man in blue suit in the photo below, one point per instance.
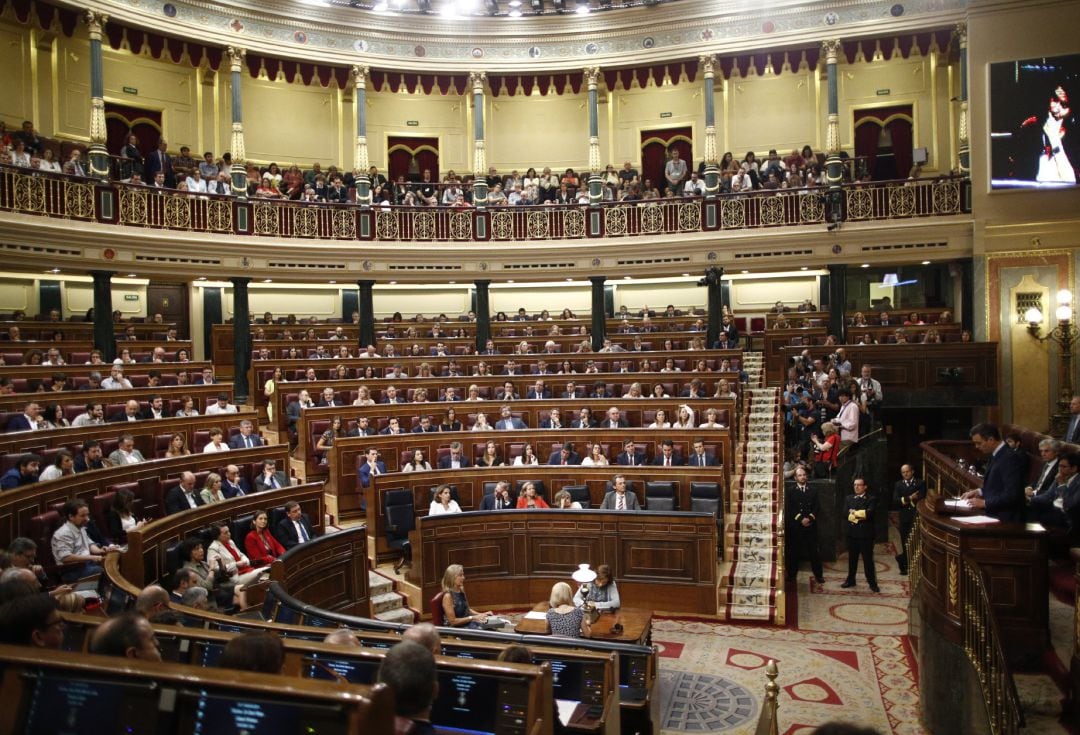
(630, 456)
(508, 421)
(538, 391)
(246, 439)
(565, 456)
(667, 456)
(371, 467)
(234, 485)
(1002, 492)
(27, 420)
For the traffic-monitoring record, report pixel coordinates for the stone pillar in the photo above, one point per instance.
(714, 304)
(596, 179)
(104, 329)
(367, 313)
(480, 192)
(599, 321)
(241, 338)
(236, 143)
(967, 294)
(712, 171)
(965, 144)
(361, 165)
(98, 165)
(834, 166)
(483, 314)
(837, 300)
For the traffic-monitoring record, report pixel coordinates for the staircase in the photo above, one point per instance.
(751, 586)
(387, 604)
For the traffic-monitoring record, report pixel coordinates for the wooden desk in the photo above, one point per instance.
(637, 625)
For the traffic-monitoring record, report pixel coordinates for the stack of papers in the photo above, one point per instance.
(976, 519)
(535, 616)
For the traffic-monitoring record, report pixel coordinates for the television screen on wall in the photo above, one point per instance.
(1035, 123)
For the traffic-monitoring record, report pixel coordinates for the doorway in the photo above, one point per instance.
(410, 157)
(122, 121)
(883, 141)
(171, 301)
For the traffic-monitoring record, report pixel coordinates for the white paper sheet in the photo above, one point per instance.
(535, 616)
(956, 503)
(566, 710)
(975, 519)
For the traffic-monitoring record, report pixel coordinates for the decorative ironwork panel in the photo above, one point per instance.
(539, 226)
(386, 226)
(461, 226)
(690, 217)
(947, 197)
(29, 194)
(574, 223)
(267, 219)
(811, 208)
(772, 210)
(423, 226)
(79, 200)
(219, 215)
(652, 219)
(860, 205)
(305, 222)
(733, 214)
(344, 224)
(132, 207)
(615, 220)
(1028, 300)
(902, 201)
(178, 212)
(502, 226)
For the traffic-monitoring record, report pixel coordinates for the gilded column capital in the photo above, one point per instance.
(359, 74)
(707, 63)
(830, 49)
(477, 79)
(592, 76)
(95, 23)
(960, 32)
(236, 57)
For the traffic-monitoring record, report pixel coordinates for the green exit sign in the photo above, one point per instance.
(884, 92)
(131, 297)
(413, 123)
(130, 90)
(665, 114)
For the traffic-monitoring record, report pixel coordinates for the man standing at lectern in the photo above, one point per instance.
(1002, 492)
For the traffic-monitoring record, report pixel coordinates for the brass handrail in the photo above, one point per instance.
(914, 554)
(982, 644)
(767, 722)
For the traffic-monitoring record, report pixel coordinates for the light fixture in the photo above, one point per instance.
(804, 268)
(582, 7)
(268, 280)
(451, 282)
(380, 7)
(132, 275)
(1033, 317)
(569, 280)
(537, 6)
(1064, 335)
(393, 283)
(53, 270)
(926, 262)
(333, 283)
(686, 275)
(628, 278)
(1064, 296)
(865, 265)
(515, 12)
(424, 6)
(510, 280)
(201, 278)
(745, 272)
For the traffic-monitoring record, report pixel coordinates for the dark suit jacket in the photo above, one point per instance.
(1051, 477)
(286, 531)
(799, 504)
(230, 491)
(175, 502)
(900, 493)
(444, 463)
(148, 414)
(261, 484)
(1003, 486)
(397, 399)
(237, 441)
(546, 424)
(355, 431)
(606, 422)
(488, 503)
(576, 424)
(18, 422)
(864, 528)
(531, 395)
(692, 460)
(556, 458)
(676, 460)
(365, 472)
(610, 502)
(639, 459)
(336, 404)
(431, 429)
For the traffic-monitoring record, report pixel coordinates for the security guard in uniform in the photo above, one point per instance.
(906, 495)
(860, 535)
(802, 508)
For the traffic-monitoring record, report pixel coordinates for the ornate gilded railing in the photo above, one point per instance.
(914, 554)
(767, 723)
(982, 644)
(25, 191)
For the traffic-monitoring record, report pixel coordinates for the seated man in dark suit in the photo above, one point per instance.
(699, 457)
(599, 391)
(667, 456)
(696, 389)
(509, 421)
(584, 420)
(571, 391)
(507, 393)
(614, 420)
(538, 392)
(183, 496)
(371, 467)
(630, 456)
(1002, 492)
(295, 528)
(1058, 507)
(295, 408)
(363, 428)
(565, 456)
(390, 395)
(393, 427)
(425, 426)
(553, 421)
(271, 478)
(247, 438)
(620, 497)
(234, 485)
(500, 499)
(27, 420)
(90, 458)
(329, 400)
(455, 460)
(1050, 450)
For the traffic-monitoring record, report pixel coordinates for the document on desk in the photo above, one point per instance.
(566, 710)
(533, 615)
(957, 503)
(975, 519)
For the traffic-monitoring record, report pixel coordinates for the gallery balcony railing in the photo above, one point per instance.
(30, 192)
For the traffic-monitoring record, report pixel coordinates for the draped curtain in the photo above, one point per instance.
(401, 152)
(897, 120)
(655, 148)
(122, 121)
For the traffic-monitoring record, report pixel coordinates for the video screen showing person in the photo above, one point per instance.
(330, 668)
(1034, 136)
(466, 703)
(228, 714)
(74, 706)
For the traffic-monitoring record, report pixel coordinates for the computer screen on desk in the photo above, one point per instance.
(62, 703)
(354, 669)
(467, 702)
(567, 677)
(207, 713)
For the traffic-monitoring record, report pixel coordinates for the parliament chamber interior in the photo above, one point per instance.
(792, 288)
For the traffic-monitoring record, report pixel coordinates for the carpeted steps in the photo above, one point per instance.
(749, 588)
(386, 604)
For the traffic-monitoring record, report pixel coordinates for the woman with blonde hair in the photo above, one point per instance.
(211, 492)
(456, 610)
(685, 418)
(563, 618)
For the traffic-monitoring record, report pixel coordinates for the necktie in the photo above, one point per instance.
(273, 482)
(191, 499)
(667, 461)
(301, 533)
(247, 442)
(239, 490)
(620, 502)
(1071, 434)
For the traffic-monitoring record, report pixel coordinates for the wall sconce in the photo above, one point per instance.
(1064, 335)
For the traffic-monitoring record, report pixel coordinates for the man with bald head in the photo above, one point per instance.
(131, 412)
(906, 495)
(342, 637)
(129, 635)
(183, 496)
(426, 635)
